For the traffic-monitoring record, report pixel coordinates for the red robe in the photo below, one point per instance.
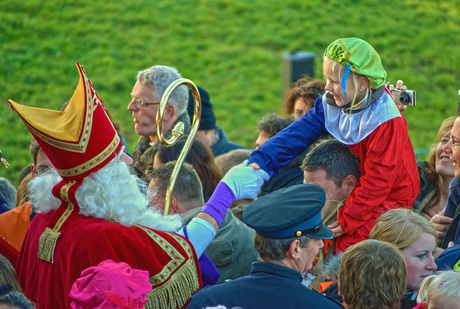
(389, 180)
(170, 259)
(8, 252)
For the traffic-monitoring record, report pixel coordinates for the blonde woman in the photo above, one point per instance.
(415, 237)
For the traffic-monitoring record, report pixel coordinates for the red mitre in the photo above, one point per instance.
(78, 141)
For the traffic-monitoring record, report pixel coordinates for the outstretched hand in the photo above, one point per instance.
(245, 181)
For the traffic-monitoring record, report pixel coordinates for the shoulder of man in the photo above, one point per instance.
(223, 145)
(233, 241)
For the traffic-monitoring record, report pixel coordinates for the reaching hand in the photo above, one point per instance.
(245, 181)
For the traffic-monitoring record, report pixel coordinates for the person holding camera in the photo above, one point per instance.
(359, 111)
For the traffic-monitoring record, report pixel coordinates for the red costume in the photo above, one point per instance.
(8, 252)
(60, 244)
(372, 127)
(168, 257)
(389, 175)
(386, 154)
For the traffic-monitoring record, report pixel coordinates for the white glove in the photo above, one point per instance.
(245, 181)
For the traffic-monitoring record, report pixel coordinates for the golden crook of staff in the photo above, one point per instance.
(3, 160)
(178, 132)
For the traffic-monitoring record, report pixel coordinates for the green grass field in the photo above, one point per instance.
(233, 49)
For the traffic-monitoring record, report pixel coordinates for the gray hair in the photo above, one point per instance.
(159, 77)
(270, 249)
(331, 268)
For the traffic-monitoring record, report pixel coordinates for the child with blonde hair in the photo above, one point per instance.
(359, 111)
(440, 291)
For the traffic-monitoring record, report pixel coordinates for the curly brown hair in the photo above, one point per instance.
(372, 275)
(307, 88)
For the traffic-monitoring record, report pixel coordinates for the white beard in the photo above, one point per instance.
(111, 193)
(39, 189)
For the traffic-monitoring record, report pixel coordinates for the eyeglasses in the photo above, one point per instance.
(453, 143)
(41, 169)
(139, 103)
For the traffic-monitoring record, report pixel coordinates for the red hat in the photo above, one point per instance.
(78, 141)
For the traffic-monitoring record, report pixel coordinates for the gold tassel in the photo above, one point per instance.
(175, 292)
(46, 245)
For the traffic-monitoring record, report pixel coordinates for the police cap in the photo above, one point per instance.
(289, 212)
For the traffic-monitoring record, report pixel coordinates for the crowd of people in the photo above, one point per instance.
(331, 209)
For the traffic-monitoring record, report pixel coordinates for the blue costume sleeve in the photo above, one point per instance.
(200, 233)
(281, 149)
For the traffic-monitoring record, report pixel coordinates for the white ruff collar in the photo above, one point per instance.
(351, 129)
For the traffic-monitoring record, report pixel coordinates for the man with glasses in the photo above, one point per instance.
(147, 92)
(14, 223)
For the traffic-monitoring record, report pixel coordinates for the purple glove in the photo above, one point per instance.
(219, 202)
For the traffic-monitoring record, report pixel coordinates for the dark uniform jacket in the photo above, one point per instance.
(223, 145)
(269, 286)
(453, 211)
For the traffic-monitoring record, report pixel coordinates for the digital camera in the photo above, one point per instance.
(406, 97)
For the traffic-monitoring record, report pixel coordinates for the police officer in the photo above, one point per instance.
(289, 234)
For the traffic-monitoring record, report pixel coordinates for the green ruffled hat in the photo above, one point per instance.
(360, 57)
